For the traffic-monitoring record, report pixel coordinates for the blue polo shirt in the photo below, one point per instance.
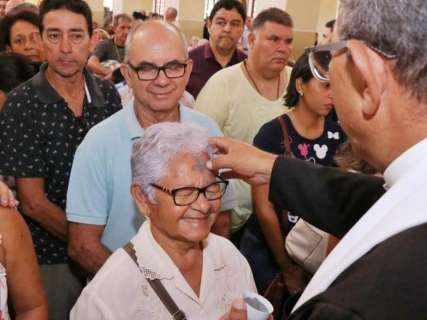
(99, 187)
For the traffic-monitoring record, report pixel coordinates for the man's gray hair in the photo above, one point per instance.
(172, 12)
(395, 27)
(121, 16)
(140, 25)
(159, 145)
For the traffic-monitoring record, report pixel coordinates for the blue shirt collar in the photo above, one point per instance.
(135, 130)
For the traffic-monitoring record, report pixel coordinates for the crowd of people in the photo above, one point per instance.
(145, 178)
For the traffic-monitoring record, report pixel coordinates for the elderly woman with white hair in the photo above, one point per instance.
(179, 266)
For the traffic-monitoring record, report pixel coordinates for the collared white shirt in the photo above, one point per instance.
(403, 206)
(121, 291)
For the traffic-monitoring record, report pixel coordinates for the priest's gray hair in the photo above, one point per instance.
(393, 26)
(159, 145)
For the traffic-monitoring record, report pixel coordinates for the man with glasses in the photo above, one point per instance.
(225, 25)
(43, 122)
(377, 71)
(102, 214)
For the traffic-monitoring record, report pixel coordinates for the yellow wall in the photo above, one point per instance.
(328, 11)
(309, 17)
(97, 7)
(191, 10)
(264, 4)
(191, 14)
(304, 13)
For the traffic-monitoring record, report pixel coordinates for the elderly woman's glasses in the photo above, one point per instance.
(187, 195)
(149, 71)
(319, 57)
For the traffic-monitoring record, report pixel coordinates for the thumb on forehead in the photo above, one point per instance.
(220, 143)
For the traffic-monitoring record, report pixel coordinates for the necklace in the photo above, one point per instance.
(254, 83)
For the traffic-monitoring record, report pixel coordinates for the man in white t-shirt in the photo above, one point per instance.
(243, 97)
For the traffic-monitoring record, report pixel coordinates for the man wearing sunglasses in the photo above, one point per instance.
(100, 208)
(377, 72)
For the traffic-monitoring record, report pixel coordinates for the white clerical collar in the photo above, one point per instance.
(407, 160)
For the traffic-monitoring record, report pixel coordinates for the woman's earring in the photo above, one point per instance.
(301, 93)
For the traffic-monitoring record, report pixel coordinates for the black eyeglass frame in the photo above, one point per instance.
(172, 192)
(160, 68)
(334, 49)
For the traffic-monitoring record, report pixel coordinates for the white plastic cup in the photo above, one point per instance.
(257, 307)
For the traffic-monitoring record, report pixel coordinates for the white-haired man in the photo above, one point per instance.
(171, 15)
(100, 208)
(379, 83)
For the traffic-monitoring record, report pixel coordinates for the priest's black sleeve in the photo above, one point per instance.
(329, 198)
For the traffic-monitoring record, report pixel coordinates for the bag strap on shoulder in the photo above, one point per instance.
(158, 288)
(286, 142)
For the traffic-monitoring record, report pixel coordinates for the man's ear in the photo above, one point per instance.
(124, 69)
(251, 40)
(372, 69)
(189, 66)
(209, 25)
(140, 199)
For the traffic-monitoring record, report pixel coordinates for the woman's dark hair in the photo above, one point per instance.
(9, 20)
(75, 6)
(228, 5)
(137, 15)
(300, 70)
(14, 70)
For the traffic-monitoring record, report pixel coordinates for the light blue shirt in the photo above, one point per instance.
(99, 187)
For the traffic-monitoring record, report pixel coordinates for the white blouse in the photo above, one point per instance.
(120, 290)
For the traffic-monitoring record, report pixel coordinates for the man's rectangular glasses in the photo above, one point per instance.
(149, 71)
(319, 57)
(187, 195)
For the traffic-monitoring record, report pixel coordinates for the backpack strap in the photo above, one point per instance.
(286, 142)
(158, 288)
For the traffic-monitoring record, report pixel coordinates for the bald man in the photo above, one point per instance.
(100, 208)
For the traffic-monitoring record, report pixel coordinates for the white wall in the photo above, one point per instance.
(264, 4)
(172, 3)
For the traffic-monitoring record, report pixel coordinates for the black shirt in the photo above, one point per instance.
(39, 136)
(321, 150)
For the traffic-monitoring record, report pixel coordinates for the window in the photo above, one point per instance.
(209, 6)
(159, 6)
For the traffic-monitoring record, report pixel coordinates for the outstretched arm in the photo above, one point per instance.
(242, 161)
(23, 275)
(329, 198)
